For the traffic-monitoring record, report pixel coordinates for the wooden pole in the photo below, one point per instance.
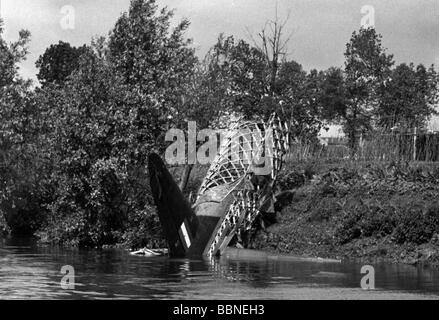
(414, 143)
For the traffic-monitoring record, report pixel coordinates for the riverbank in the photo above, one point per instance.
(367, 211)
(329, 209)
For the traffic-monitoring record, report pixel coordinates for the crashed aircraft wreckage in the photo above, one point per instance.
(233, 194)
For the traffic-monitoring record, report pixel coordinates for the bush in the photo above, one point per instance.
(323, 209)
(417, 225)
(365, 219)
(144, 230)
(4, 228)
(68, 230)
(23, 211)
(291, 180)
(349, 228)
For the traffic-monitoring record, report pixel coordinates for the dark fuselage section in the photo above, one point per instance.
(188, 230)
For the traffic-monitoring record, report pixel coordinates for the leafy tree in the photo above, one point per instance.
(243, 79)
(367, 68)
(333, 96)
(19, 126)
(290, 78)
(100, 152)
(151, 57)
(239, 71)
(298, 92)
(10, 56)
(156, 61)
(369, 94)
(58, 62)
(408, 98)
(110, 113)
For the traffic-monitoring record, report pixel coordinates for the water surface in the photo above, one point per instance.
(28, 271)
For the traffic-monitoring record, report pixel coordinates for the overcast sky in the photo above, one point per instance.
(320, 28)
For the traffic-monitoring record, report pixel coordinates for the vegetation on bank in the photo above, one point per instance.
(4, 229)
(365, 210)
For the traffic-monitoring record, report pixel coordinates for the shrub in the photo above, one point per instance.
(365, 219)
(291, 180)
(349, 228)
(378, 220)
(23, 211)
(323, 210)
(417, 225)
(144, 230)
(4, 228)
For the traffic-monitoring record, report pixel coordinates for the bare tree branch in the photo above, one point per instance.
(272, 44)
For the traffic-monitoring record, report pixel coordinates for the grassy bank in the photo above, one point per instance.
(369, 211)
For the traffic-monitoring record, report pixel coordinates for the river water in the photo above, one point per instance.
(28, 271)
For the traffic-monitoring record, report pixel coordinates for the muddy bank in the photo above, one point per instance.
(364, 211)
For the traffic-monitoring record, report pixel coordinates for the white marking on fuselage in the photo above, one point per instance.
(185, 235)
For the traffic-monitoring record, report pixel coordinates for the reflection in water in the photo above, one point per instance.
(29, 271)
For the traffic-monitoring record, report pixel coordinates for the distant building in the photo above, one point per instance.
(332, 135)
(433, 124)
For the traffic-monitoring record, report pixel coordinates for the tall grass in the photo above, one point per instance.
(374, 147)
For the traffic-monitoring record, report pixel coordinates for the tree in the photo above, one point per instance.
(368, 94)
(19, 126)
(290, 78)
(273, 45)
(367, 67)
(243, 80)
(409, 98)
(156, 61)
(98, 154)
(290, 91)
(152, 58)
(92, 144)
(333, 96)
(10, 56)
(299, 92)
(239, 72)
(58, 62)
(105, 120)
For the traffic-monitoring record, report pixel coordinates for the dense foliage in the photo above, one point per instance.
(356, 210)
(58, 62)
